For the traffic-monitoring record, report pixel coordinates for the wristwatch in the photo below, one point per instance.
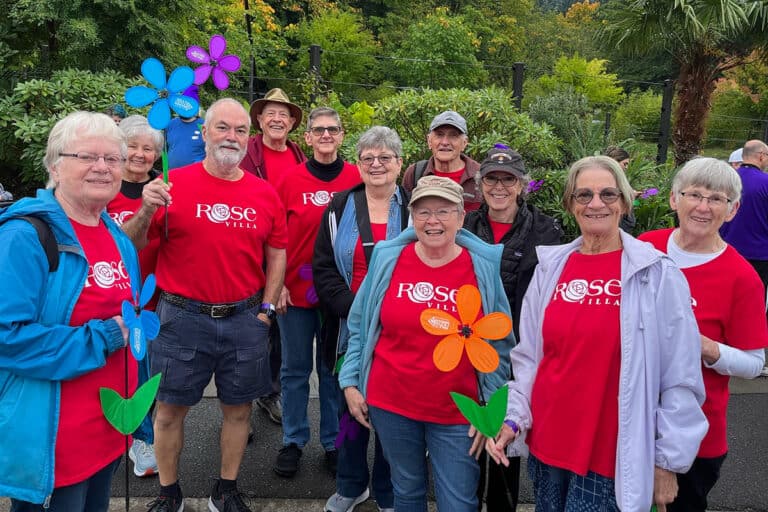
(268, 309)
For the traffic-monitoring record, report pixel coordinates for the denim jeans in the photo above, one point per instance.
(557, 489)
(90, 495)
(455, 472)
(352, 473)
(298, 329)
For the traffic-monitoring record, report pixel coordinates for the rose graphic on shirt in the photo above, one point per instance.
(103, 274)
(576, 290)
(421, 292)
(219, 212)
(305, 274)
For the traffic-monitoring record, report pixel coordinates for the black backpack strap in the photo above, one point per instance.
(47, 240)
(418, 171)
(364, 224)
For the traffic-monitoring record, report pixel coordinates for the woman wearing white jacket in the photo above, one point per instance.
(608, 384)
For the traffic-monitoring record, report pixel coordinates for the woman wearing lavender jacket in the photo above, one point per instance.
(608, 385)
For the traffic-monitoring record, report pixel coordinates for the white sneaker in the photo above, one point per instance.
(764, 372)
(143, 457)
(339, 503)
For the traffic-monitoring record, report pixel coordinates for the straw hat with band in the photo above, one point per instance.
(275, 95)
(438, 186)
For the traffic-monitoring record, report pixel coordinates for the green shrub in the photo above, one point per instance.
(638, 116)
(491, 118)
(734, 118)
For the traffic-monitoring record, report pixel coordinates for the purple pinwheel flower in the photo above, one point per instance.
(649, 193)
(349, 428)
(499, 145)
(165, 96)
(213, 63)
(535, 185)
(305, 274)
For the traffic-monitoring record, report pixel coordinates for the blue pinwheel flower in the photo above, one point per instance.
(142, 324)
(165, 95)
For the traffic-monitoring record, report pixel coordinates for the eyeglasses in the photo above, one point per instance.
(608, 195)
(367, 161)
(320, 130)
(443, 214)
(508, 180)
(90, 158)
(714, 200)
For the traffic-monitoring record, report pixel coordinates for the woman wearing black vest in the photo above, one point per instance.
(506, 218)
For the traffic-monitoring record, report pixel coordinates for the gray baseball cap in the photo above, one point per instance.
(449, 118)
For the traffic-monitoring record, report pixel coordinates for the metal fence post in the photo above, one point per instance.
(607, 128)
(665, 123)
(518, 70)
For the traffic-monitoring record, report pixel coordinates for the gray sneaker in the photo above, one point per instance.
(338, 503)
(271, 405)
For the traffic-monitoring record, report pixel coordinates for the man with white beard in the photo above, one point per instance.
(220, 272)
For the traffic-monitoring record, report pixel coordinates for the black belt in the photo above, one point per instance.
(213, 310)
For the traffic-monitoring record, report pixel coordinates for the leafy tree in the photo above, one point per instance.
(705, 37)
(638, 116)
(734, 118)
(585, 77)
(439, 51)
(28, 114)
(491, 118)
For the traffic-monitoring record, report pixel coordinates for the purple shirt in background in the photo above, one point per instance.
(748, 231)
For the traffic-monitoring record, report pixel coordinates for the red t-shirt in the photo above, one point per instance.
(85, 441)
(277, 162)
(574, 401)
(359, 265)
(122, 208)
(499, 229)
(729, 305)
(403, 378)
(305, 198)
(218, 231)
(454, 175)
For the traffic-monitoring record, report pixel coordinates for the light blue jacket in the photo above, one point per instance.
(660, 384)
(38, 348)
(363, 320)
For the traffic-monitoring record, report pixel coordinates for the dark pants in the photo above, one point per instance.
(275, 357)
(694, 486)
(90, 495)
(503, 484)
(761, 267)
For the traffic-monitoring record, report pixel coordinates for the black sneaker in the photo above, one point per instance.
(166, 504)
(287, 463)
(227, 502)
(331, 460)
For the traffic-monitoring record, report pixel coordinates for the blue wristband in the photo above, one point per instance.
(511, 424)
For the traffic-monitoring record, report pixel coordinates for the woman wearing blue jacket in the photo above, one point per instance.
(60, 330)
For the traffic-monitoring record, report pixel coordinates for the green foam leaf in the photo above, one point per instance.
(339, 363)
(487, 419)
(125, 414)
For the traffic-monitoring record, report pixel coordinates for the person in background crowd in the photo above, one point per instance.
(116, 112)
(62, 336)
(608, 384)
(620, 155)
(355, 220)
(145, 144)
(506, 218)
(388, 376)
(269, 154)
(747, 231)
(728, 301)
(185, 140)
(305, 192)
(735, 159)
(218, 322)
(447, 139)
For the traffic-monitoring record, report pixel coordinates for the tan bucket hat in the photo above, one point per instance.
(275, 95)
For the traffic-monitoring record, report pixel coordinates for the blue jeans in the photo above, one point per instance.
(298, 329)
(90, 495)
(556, 489)
(352, 473)
(455, 472)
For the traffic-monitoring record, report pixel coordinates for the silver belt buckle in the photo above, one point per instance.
(220, 310)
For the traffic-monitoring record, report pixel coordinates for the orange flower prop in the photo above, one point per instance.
(467, 331)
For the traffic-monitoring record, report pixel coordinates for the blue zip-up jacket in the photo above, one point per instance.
(365, 327)
(38, 347)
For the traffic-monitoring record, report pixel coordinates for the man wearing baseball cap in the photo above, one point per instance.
(447, 139)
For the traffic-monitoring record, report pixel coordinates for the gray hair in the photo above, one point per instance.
(138, 126)
(380, 137)
(78, 125)
(597, 162)
(710, 173)
(210, 114)
(320, 112)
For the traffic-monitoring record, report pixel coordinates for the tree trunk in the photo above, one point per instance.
(695, 86)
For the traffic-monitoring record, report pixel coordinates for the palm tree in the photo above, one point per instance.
(704, 37)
